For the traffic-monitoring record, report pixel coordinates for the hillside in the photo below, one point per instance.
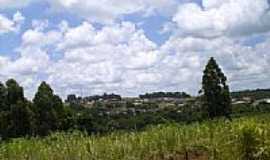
(244, 138)
(255, 94)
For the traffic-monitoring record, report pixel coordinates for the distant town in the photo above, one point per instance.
(113, 104)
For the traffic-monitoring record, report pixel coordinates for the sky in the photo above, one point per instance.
(129, 47)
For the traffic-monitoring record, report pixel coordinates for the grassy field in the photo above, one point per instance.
(246, 138)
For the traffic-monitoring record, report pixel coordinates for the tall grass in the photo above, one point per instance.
(245, 138)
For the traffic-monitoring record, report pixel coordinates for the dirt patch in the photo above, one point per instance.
(189, 155)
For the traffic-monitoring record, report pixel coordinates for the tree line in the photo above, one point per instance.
(47, 113)
(254, 94)
(165, 95)
(20, 117)
(72, 98)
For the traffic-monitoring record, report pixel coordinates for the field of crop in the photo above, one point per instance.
(245, 138)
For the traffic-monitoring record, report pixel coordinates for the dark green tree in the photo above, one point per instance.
(48, 109)
(3, 97)
(215, 92)
(14, 92)
(3, 110)
(16, 116)
(22, 121)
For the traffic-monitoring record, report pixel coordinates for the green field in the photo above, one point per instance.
(245, 138)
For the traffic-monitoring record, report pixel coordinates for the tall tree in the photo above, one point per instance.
(3, 111)
(3, 97)
(16, 116)
(48, 108)
(14, 92)
(215, 92)
(22, 121)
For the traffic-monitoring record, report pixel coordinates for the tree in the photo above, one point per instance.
(48, 108)
(72, 99)
(14, 92)
(3, 97)
(60, 112)
(21, 119)
(3, 110)
(215, 92)
(15, 114)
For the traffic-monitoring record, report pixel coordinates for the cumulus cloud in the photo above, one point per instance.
(119, 57)
(182, 65)
(11, 25)
(223, 17)
(107, 11)
(93, 59)
(98, 60)
(32, 62)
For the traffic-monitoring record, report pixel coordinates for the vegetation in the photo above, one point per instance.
(15, 113)
(74, 99)
(183, 131)
(49, 110)
(47, 113)
(243, 139)
(254, 94)
(165, 94)
(216, 95)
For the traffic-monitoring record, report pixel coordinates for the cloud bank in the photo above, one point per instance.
(119, 57)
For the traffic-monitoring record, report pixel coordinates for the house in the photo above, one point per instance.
(266, 101)
(239, 102)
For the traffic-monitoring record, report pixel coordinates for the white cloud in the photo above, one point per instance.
(106, 11)
(99, 60)
(241, 63)
(118, 57)
(96, 60)
(11, 25)
(27, 69)
(33, 60)
(219, 17)
(6, 25)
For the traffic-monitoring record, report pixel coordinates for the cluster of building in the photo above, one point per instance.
(113, 104)
(73, 99)
(111, 100)
(250, 100)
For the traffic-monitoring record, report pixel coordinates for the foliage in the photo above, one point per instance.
(165, 95)
(73, 99)
(47, 114)
(245, 138)
(216, 94)
(15, 115)
(48, 109)
(254, 94)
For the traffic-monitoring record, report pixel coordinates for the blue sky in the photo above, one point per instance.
(130, 47)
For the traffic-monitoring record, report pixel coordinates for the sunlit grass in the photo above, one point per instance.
(218, 139)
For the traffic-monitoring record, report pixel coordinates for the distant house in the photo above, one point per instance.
(137, 103)
(243, 100)
(239, 102)
(266, 100)
(90, 100)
